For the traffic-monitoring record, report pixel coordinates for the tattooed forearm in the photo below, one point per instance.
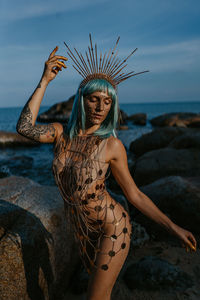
(25, 127)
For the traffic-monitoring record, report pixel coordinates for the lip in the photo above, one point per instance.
(97, 116)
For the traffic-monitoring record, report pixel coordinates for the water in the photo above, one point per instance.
(36, 162)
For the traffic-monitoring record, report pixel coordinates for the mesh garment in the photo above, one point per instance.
(100, 224)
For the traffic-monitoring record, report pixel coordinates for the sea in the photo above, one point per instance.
(36, 162)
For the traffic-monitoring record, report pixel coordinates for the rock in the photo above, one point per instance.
(38, 251)
(174, 137)
(139, 118)
(13, 139)
(177, 197)
(59, 112)
(190, 139)
(153, 273)
(15, 165)
(156, 139)
(123, 117)
(122, 292)
(181, 119)
(79, 281)
(165, 162)
(139, 235)
(122, 127)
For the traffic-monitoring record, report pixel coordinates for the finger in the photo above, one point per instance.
(62, 63)
(56, 70)
(53, 52)
(55, 64)
(193, 240)
(191, 246)
(59, 68)
(59, 57)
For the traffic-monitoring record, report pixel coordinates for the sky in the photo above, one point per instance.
(166, 33)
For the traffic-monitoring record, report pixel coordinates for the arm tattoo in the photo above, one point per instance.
(24, 126)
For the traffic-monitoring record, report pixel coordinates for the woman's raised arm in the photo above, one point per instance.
(26, 122)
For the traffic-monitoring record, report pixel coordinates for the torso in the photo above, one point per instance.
(80, 167)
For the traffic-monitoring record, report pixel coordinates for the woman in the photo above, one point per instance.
(83, 152)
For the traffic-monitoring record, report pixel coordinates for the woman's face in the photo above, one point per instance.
(97, 106)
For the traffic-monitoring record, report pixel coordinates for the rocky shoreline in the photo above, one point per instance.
(39, 258)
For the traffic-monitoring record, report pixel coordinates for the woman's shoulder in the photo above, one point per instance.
(115, 149)
(114, 144)
(60, 129)
(114, 141)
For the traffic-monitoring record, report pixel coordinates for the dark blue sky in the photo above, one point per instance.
(166, 33)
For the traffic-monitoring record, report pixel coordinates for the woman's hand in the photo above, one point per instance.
(187, 238)
(53, 65)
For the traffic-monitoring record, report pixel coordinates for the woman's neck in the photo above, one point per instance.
(88, 130)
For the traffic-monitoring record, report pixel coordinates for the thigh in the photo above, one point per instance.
(113, 250)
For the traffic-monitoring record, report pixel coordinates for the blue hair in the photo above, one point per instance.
(77, 117)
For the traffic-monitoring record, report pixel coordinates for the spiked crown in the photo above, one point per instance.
(107, 67)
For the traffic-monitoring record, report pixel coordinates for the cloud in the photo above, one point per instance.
(175, 57)
(22, 9)
(181, 56)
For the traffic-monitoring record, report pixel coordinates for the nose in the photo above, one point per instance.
(100, 106)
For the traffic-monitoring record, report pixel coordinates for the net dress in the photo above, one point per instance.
(80, 170)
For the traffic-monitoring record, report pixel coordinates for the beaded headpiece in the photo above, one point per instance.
(107, 67)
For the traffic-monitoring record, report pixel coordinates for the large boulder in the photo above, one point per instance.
(139, 118)
(37, 248)
(59, 112)
(190, 139)
(178, 119)
(165, 162)
(175, 137)
(177, 197)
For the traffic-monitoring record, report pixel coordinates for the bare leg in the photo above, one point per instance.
(114, 248)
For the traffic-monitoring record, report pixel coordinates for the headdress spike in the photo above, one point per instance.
(100, 62)
(92, 53)
(112, 53)
(108, 66)
(91, 61)
(88, 61)
(104, 69)
(96, 58)
(82, 67)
